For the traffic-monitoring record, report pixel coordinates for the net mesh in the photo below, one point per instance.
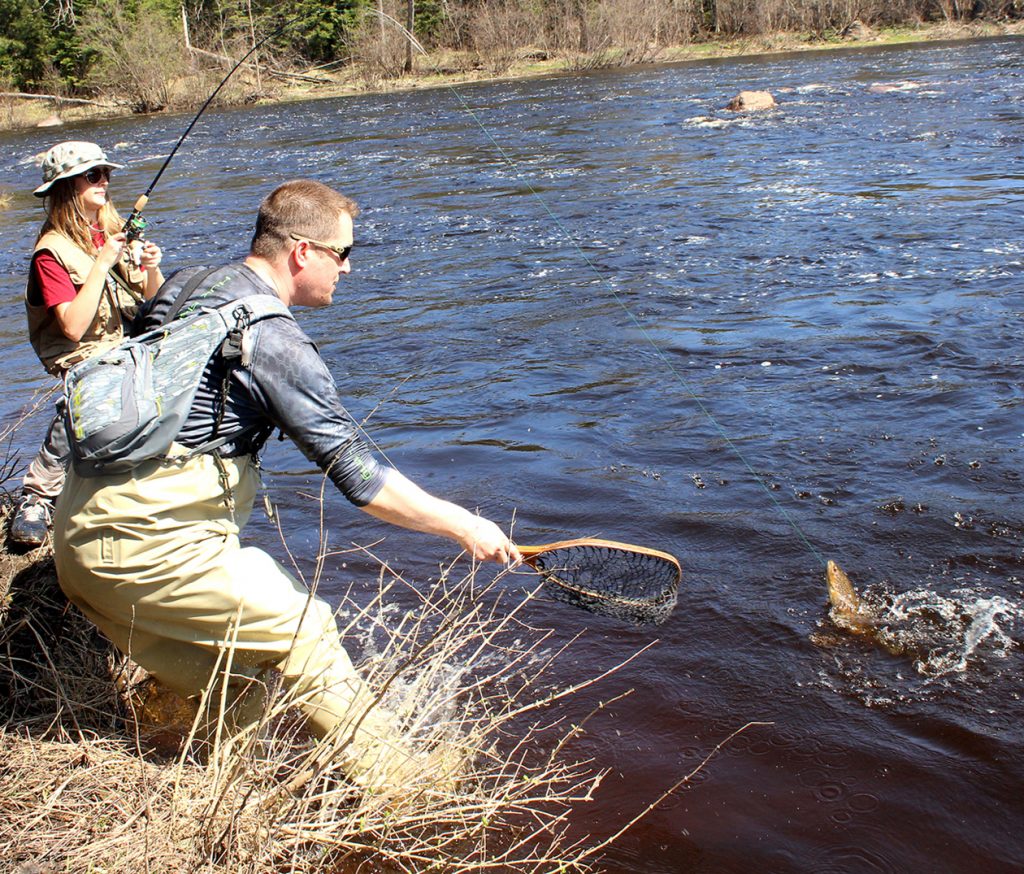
(634, 586)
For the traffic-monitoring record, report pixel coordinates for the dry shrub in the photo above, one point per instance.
(380, 44)
(501, 31)
(7, 112)
(462, 669)
(619, 32)
(639, 32)
(138, 56)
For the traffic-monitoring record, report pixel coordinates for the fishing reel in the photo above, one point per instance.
(135, 230)
(135, 227)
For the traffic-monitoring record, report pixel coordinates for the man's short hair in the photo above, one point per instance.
(301, 206)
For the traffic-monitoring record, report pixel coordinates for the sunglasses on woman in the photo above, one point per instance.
(94, 175)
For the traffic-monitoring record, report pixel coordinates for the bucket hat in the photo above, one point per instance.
(70, 159)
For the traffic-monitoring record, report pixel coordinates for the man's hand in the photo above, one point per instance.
(485, 541)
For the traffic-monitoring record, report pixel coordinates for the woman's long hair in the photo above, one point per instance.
(64, 215)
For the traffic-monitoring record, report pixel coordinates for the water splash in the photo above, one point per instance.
(948, 632)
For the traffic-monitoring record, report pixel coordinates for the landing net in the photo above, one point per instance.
(613, 579)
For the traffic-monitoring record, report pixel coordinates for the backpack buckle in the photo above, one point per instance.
(234, 343)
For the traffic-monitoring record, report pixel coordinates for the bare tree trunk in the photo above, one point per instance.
(256, 55)
(184, 28)
(56, 98)
(410, 23)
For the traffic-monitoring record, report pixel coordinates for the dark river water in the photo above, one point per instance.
(782, 338)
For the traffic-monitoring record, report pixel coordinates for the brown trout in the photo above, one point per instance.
(848, 611)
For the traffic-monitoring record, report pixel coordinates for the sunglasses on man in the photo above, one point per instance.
(341, 251)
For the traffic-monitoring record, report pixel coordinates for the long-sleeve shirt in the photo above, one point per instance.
(285, 385)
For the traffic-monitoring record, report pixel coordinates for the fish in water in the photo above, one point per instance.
(848, 611)
(939, 633)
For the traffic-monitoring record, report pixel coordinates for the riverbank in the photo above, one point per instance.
(444, 69)
(102, 773)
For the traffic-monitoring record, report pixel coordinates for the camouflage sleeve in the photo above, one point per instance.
(290, 380)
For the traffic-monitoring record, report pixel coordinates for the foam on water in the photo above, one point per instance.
(950, 633)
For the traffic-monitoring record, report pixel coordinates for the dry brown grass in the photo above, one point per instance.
(82, 788)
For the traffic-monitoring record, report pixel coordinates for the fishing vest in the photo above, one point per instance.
(118, 301)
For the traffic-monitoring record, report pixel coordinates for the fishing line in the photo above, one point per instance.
(615, 296)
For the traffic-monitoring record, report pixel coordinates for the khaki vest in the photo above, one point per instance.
(118, 302)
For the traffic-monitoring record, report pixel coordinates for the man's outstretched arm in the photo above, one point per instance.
(401, 502)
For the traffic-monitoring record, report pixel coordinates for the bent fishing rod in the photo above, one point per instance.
(135, 224)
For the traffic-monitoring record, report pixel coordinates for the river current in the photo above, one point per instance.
(605, 306)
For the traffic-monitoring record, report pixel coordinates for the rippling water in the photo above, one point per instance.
(798, 337)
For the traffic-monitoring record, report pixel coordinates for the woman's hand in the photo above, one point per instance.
(112, 250)
(150, 256)
(75, 317)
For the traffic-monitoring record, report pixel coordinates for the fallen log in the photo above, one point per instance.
(270, 71)
(21, 95)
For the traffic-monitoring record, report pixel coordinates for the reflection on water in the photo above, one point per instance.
(799, 337)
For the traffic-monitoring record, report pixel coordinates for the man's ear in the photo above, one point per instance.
(300, 254)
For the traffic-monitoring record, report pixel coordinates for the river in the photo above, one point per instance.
(778, 338)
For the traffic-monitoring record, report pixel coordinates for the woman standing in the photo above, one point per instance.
(84, 285)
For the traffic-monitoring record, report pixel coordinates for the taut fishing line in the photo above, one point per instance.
(616, 296)
(618, 579)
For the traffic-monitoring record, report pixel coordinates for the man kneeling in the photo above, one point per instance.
(153, 556)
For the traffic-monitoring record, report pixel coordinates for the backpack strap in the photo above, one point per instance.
(244, 312)
(186, 292)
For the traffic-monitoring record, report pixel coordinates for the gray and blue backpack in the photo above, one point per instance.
(127, 405)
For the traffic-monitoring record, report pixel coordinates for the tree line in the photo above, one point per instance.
(142, 50)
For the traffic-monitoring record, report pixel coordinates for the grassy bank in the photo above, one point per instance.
(100, 771)
(449, 68)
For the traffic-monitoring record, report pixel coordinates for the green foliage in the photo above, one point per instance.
(136, 50)
(322, 31)
(39, 49)
(17, 62)
(430, 19)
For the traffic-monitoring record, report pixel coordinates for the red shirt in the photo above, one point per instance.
(53, 280)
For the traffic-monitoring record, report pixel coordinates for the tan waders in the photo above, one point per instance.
(155, 562)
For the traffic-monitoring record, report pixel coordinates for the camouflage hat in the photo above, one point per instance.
(71, 159)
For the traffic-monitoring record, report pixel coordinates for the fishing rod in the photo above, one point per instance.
(135, 224)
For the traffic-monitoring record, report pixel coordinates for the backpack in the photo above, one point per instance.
(127, 405)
